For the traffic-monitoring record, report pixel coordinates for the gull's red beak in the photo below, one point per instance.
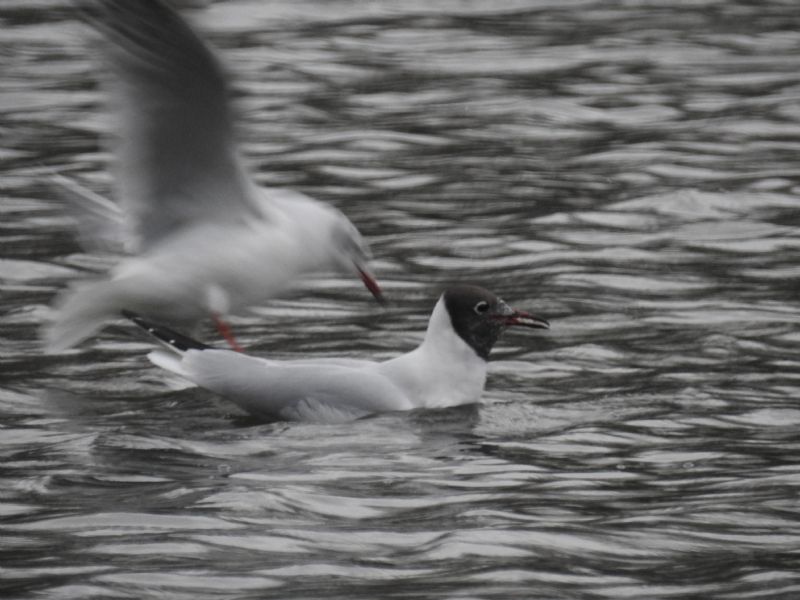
(371, 284)
(509, 317)
(524, 319)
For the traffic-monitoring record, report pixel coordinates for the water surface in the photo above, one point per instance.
(627, 169)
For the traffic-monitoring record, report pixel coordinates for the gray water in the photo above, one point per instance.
(628, 169)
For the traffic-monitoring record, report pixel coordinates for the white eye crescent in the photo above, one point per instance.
(481, 307)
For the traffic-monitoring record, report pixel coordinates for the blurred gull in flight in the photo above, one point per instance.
(447, 369)
(204, 239)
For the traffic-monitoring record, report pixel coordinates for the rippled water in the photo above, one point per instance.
(629, 169)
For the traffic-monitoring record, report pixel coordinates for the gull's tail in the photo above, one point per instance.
(81, 312)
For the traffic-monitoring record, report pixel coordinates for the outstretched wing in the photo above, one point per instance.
(176, 157)
(99, 221)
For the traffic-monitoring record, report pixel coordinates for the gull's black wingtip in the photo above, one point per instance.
(129, 314)
(165, 335)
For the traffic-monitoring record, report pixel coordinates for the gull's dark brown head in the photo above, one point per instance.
(479, 317)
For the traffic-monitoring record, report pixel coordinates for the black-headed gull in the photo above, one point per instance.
(205, 240)
(447, 369)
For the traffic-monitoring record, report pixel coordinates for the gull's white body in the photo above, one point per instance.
(208, 268)
(442, 371)
(222, 267)
(204, 239)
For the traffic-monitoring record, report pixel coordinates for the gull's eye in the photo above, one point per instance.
(481, 307)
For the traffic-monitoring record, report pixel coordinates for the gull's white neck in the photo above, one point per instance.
(443, 371)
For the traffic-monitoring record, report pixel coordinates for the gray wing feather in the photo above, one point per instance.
(99, 221)
(176, 152)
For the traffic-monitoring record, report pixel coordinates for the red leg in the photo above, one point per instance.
(225, 330)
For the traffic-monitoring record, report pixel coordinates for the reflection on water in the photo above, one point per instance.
(628, 169)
